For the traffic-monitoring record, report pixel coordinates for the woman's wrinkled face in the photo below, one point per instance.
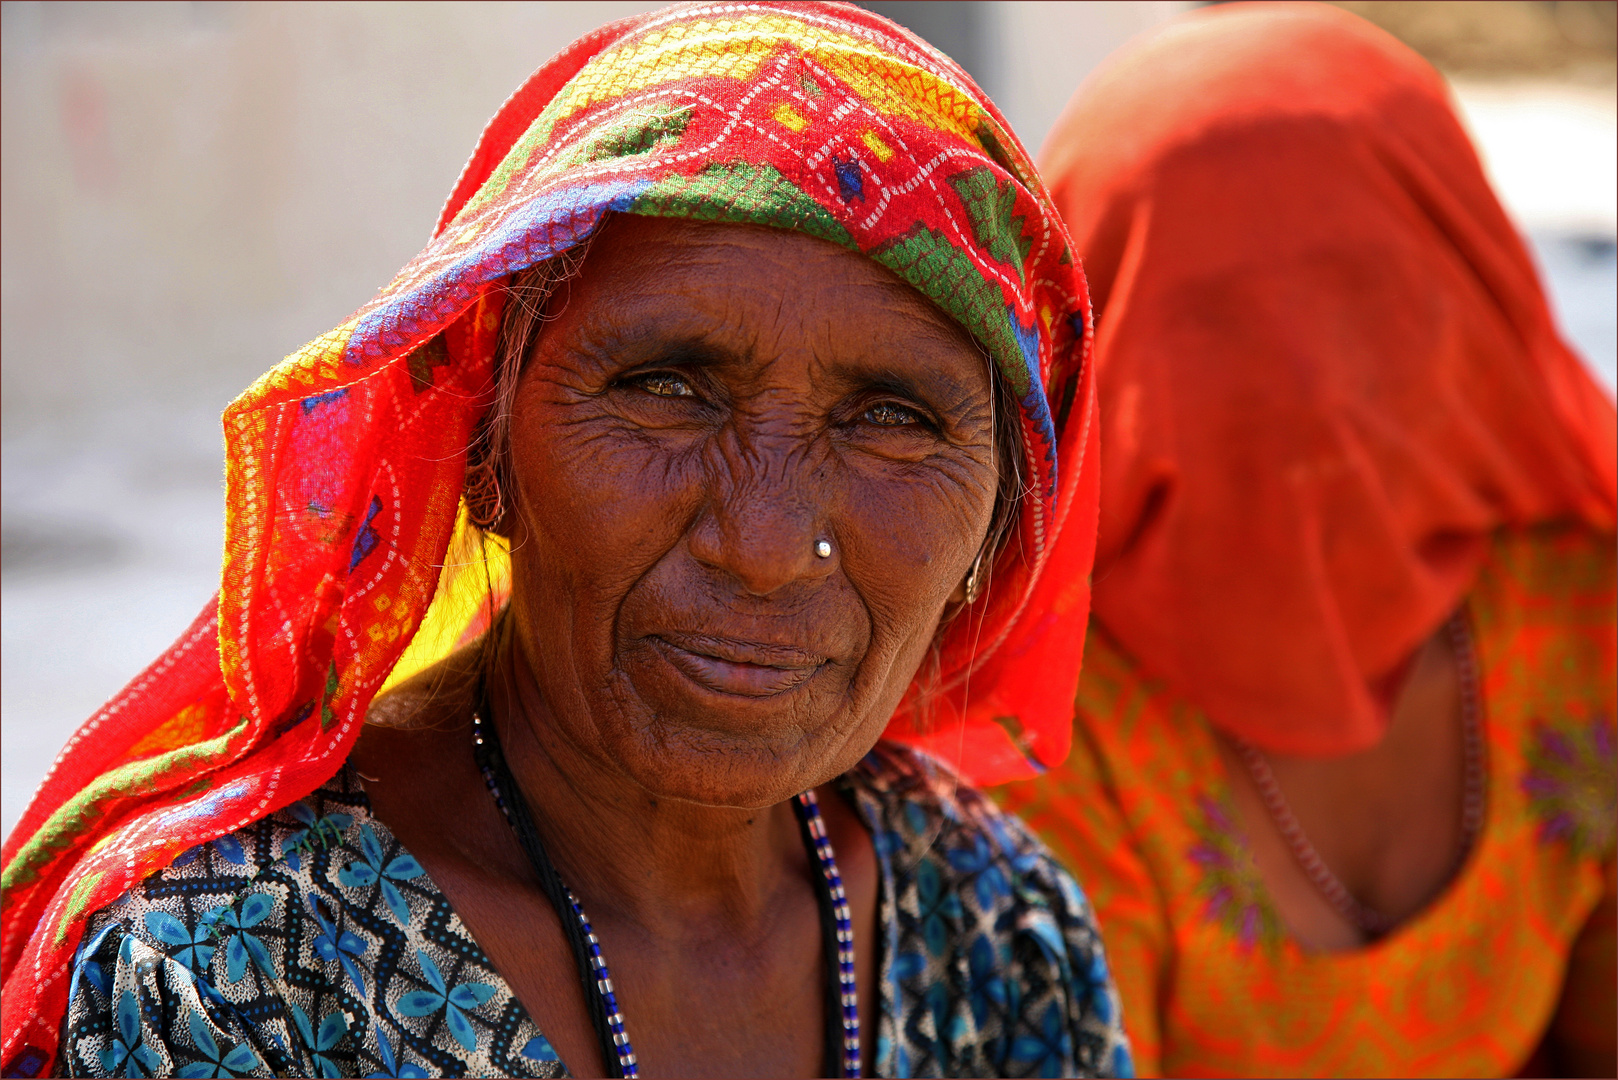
(708, 404)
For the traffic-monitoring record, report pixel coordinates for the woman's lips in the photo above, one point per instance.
(745, 668)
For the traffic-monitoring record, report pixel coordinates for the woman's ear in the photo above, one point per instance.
(485, 493)
(508, 525)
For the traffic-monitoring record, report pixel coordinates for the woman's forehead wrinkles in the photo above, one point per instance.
(901, 338)
(654, 255)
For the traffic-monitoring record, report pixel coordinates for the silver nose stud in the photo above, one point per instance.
(823, 548)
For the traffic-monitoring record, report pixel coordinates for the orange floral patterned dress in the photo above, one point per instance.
(1212, 983)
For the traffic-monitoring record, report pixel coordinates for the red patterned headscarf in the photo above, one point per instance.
(346, 461)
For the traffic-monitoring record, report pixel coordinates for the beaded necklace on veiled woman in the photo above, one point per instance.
(1373, 923)
(837, 926)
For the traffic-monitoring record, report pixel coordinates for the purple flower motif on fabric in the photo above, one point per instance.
(367, 538)
(1571, 781)
(1232, 891)
(850, 181)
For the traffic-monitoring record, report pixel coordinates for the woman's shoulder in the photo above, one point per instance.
(309, 943)
(925, 808)
(233, 864)
(215, 918)
(1550, 573)
(1546, 640)
(937, 833)
(1543, 615)
(1136, 741)
(992, 947)
(202, 890)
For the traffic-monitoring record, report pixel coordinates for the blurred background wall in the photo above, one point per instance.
(192, 190)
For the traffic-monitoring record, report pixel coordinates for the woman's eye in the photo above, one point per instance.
(665, 384)
(888, 414)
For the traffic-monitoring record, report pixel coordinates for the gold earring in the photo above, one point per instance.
(974, 580)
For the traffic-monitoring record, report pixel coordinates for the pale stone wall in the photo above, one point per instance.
(194, 190)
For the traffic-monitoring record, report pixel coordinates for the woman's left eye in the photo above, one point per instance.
(665, 384)
(887, 414)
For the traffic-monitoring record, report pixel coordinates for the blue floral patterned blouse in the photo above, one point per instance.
(313, 944)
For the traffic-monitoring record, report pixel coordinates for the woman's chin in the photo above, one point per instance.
(717, 765)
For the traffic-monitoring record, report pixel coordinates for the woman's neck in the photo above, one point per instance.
(657, 864)
(1386, 821)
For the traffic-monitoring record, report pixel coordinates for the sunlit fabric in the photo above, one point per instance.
(1213, 982)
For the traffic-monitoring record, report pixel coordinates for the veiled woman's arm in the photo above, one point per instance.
(1583, 1039)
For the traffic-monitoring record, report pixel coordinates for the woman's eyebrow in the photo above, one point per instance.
(935, 388)
(893, 382)
(696, 352)
(635, 344)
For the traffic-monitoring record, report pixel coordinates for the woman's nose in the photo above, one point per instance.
(765, 524)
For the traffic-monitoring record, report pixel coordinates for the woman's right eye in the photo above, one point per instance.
(664, 384)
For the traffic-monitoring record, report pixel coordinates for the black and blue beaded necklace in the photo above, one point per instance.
(842, 1036)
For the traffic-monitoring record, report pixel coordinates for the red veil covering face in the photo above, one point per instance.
(1327, 368)
(346, 462)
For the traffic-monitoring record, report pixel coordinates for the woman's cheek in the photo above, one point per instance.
(923, 514)
(598, 494)
(906, 533)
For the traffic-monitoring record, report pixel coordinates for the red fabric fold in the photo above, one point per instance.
(1327, 367)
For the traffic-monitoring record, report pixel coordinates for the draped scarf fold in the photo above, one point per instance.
(1327, 368)
(345, 530)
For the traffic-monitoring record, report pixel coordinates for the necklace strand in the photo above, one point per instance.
(807, 807)
(615, 1015)
(486, 752)
(1369, 920)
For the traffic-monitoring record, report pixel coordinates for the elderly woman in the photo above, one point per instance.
(1344, 767)
(752, 350)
